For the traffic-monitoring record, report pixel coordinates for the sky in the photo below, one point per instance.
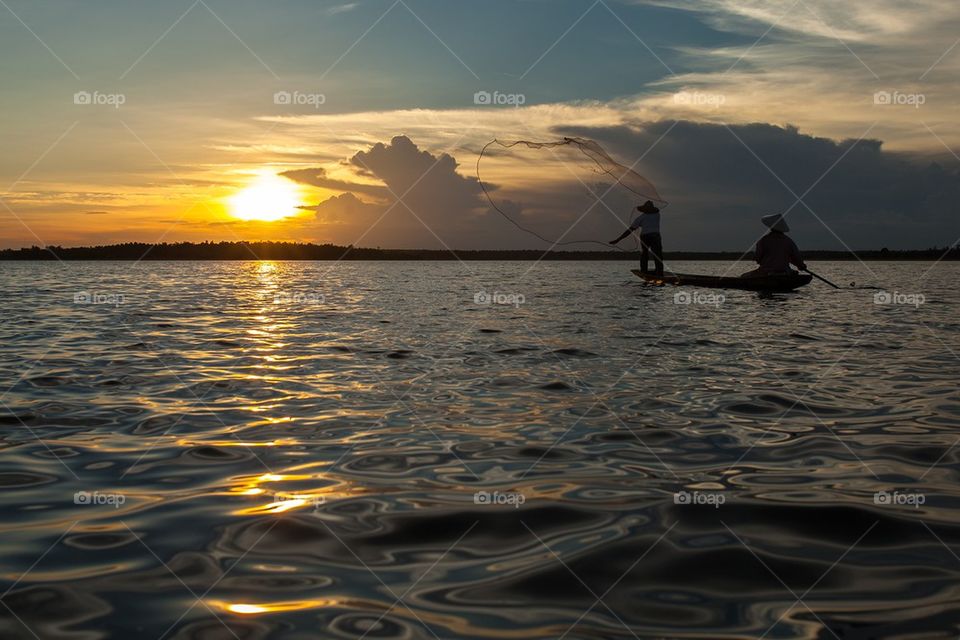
(362, 122)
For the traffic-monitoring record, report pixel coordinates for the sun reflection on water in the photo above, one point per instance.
(249, 608)
(311, 490)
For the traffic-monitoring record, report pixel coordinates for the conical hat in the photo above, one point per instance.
(776, 222)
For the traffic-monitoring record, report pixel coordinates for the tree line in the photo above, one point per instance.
(307, 251)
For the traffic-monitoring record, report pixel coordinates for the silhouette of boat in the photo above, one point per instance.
(777, 283)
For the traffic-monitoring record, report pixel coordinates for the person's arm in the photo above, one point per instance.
(629, 230)
(622, 236)
(796, 258)
(758, 251)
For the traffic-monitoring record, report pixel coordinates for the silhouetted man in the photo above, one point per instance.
(775, 252)
(649, 224)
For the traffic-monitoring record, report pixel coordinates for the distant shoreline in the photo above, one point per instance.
(137, 251)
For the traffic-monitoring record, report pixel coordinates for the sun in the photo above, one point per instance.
(267, 198)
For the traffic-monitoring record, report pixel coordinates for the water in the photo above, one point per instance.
(310, 450)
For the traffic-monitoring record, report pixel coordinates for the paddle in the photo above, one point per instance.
(821, 278)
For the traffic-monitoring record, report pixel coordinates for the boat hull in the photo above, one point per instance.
(777, 284)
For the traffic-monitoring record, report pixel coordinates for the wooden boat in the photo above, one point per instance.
(777, 284)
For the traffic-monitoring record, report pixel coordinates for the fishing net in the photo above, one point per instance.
(564, 192)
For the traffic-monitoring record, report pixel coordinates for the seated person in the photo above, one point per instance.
(775, 252)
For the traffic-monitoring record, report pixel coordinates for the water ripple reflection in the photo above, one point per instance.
(301, 450)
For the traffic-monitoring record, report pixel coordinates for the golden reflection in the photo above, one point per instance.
(266, 272)
(282, 442)
(249, 608)
(459, 624)
(266, 267)
(282, 504)
(276, 477)
(282, 497)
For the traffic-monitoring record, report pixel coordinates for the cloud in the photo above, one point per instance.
(878, 21)
(422, 199)
(818, 64)
(318, 177)
(343, 133)
(345, 209)
(721, 178)
(341, 8)
(419, 177)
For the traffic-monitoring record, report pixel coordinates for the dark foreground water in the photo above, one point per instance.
(373, 450)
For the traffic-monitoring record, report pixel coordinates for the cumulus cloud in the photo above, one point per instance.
(426, 179)
(346, 209)
(419, 199)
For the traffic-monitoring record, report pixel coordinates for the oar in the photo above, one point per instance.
(821, 278)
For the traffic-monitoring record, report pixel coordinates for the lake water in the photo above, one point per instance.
(483, 450)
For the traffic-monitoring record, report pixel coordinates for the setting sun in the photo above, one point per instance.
(267, 198)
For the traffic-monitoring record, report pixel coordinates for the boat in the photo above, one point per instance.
(775, 284)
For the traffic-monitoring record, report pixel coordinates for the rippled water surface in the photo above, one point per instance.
(315, 450)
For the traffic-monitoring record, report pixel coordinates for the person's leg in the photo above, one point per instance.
(644, 255)
(657, 250)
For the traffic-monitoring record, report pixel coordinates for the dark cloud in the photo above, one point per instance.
(317, 177)
(720, 179)
(346, 208)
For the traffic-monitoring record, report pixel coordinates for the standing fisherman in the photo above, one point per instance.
(649, 224)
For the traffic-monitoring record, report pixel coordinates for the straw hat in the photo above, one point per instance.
(775, 222)
(648, 207)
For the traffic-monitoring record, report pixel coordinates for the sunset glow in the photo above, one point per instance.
(268, 198)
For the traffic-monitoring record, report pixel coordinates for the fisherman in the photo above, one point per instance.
(649, 224)
(775, 252)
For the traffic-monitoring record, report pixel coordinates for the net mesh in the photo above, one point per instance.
(549, 180)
